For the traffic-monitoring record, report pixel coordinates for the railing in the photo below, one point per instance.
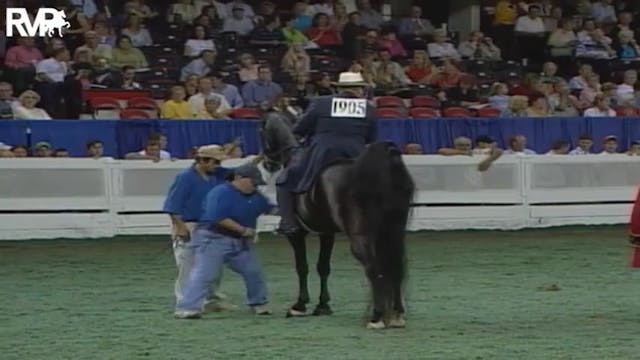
(45, 198)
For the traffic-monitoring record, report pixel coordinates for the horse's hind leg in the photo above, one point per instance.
(324, 269)
(299, 245)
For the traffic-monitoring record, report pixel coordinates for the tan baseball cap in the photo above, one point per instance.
(212, 151)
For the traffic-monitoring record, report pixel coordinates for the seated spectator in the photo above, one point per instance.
(20, 60)
(266, 9)
(553, 19)
(95, 149)
(464, 95)
(152, 151)
(588, 27)
(484, 145)
(191, 85)
(625, 92)
(610, 90)
(248, 68)
(449, 76)
(42, 149)
(7, 101)
(580, 81)
(588, 94)
(388, 73)
(205, 90)
(140, 9)
(268, 34)
(127, 79)
(211, 109)
(296, 61)
(461, 146)
(230, 92)
(610, 145)
(239, 22)
(322, 32)
(20, 151)
(134, 29)
(370, 17)
(176, 108)
(627, 47)
(182, 12)
(584, 146)
(323, 85)
(518, 146)
(365, 66)
(26, 108)
(413, 149)
(262, 91)
(200, 66)
(210, 20)
(560, 147)
(198, 42)
(420, 70)
(596, 48)
(292, 35)
(441, 48)
(603, 12)
(499, 97)
(634, 149)
(537, 105)
(550, 73)
(563, 39)
(415, 25)
(389, 41)
(561, 102)
(600, 108)
(104, 33)
(125, 54)
(517, 107)
(301, 18)
(479, 47)
(94, 48)
(625, 23)
(247, 10)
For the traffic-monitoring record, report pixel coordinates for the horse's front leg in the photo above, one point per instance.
(324, 269)
(299, 245)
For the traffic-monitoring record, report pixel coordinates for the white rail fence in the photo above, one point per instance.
(85, 198)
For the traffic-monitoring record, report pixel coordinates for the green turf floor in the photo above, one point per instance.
(471, 295)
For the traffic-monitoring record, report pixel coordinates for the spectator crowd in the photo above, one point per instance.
(209, 59)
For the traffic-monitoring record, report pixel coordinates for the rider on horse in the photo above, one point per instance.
(336, 127)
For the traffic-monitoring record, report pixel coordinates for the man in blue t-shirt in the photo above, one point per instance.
(223, 235)
(184, 206)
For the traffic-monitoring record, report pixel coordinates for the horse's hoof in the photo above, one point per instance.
(376, 325)
(295, 313)
(322, 311)
(397, 322)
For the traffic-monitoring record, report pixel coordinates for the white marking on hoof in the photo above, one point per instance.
(376, 325)
(294, 312)
(397, 322)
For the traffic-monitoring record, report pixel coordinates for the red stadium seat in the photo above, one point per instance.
(423, 113)
(246, 113)
(425, 101)
(134, 114)
(144, 103)
(456, 112)
(389, 113)
(105, 107)
(389, 102)
(488, 112)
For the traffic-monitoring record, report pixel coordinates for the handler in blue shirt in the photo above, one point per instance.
(184, 206)
(223, 235)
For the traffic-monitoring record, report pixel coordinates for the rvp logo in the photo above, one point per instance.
(47, 21)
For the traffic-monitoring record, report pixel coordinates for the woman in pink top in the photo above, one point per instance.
(390, 41)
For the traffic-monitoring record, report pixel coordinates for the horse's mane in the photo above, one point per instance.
(383, 189)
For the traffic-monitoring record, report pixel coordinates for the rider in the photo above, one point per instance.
(336, 127)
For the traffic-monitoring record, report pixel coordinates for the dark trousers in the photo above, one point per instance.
(286, 206)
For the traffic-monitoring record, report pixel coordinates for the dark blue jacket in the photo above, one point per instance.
(331, 135)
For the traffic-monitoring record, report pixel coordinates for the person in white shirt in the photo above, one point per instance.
(518, 146)
(531, 24)
(531, 35)
(198, 43)
(247, 10)
(559, 147)
(610, 145)
(205, 89)
(584, 146)
(625, 91)
(152, 149)
(238, 22)
(440, 48)
(50, 74)
(26, 108)
(634, 149)
(600, 108)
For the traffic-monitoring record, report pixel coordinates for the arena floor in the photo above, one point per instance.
(546, 294)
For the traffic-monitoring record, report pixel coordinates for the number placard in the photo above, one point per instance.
(344, 107)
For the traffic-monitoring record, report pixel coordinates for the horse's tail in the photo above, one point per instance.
(383, 189)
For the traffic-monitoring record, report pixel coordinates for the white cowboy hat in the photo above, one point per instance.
(348, 79)
(212, 151)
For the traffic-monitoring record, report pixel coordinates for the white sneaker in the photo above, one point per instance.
(261, 310)
(187, 314)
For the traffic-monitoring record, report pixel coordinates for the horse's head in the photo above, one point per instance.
(278, 141)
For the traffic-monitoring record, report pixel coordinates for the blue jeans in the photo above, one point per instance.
(212, 251)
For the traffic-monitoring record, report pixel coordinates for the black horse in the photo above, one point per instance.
(368, 199)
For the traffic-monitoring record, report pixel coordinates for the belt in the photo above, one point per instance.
(226, 232)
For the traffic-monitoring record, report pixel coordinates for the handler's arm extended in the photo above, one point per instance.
(231, 225)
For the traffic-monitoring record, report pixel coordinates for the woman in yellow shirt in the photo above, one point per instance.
(176, 108)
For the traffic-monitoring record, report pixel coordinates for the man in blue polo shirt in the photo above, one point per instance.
(223, 235)
(184, 206)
